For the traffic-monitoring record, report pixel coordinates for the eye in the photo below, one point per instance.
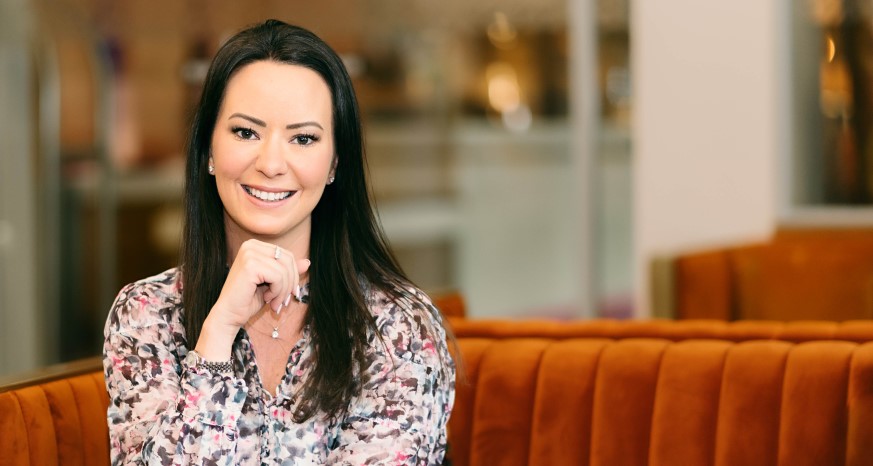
(305, 139)
(244, 133)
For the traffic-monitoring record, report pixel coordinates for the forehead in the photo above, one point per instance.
(275, 90)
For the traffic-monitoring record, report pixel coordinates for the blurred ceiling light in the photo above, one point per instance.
(832, 49)
(504, 94)
(166, 229)
(835, 94)
(500, 32)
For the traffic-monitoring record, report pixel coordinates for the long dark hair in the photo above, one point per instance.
(347, 244)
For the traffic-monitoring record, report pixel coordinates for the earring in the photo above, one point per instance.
(211, 170)
(330, 180)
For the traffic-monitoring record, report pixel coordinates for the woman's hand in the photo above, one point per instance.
(259, 275)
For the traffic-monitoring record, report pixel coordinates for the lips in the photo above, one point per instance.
(268, 196)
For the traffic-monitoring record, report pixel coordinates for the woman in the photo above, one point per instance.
(288, 335)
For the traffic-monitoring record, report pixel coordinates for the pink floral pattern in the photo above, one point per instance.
(164, 412)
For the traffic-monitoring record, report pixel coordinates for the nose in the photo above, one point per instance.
(272, 159)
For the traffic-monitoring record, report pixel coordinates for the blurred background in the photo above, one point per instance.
(537, 156)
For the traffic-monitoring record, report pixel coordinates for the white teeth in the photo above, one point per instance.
(265, 196)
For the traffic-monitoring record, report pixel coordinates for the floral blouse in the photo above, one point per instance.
(164, 412)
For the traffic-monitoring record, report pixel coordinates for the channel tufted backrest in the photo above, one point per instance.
(572, 401)
(61, 422)
(603, 402)
(857, 331)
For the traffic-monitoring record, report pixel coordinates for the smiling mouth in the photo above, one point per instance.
(268, 197)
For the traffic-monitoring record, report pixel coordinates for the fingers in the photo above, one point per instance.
(278, 270)
(285, 261)
(293, 270)
(260, 274)
(302, 268)
(280, 278)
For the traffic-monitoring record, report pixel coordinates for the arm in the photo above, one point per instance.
(400, 417)
(161, 411)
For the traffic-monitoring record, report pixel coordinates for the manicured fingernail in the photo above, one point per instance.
(298, 292)
(279, 310)
(287, 300)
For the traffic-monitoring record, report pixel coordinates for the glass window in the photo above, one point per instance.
(467, 130)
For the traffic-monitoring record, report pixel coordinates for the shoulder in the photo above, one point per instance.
(410, 325)
(151, 301)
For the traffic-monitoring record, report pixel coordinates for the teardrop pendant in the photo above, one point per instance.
(275, 332)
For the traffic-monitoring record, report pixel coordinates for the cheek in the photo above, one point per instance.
(227, 162)
(310, 175)
(312, 172)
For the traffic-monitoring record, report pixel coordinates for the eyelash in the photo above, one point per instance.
(312, 138)
(237, 130)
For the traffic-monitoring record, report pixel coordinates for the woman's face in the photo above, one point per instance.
(272, 151)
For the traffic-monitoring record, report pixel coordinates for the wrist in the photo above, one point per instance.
(216, 340)
(196, 361)
(219, 321)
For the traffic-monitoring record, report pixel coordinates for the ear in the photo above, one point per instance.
(331, 175)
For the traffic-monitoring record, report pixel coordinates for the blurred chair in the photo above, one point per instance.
(451, 304)
(809, 274)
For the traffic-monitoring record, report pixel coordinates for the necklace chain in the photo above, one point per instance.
(274, 333)
(301, 296)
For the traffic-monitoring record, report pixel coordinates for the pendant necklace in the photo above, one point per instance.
(301, 295)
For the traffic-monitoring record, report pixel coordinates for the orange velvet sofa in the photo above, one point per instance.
(800, 274)
(55, 417)
(604, 402)
(586, 393)
(857, 331)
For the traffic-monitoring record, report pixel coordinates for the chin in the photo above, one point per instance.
(271, 230)
(267, 232)
(265, 227)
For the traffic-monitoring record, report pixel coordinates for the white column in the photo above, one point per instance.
(584, 134)
(709, 109)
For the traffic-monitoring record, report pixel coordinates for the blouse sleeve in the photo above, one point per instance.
(161, 411)
(400, 417)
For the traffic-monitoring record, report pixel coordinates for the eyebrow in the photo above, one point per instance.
(262, 123)
(305, 123)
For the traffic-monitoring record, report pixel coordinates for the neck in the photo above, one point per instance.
(289, 322)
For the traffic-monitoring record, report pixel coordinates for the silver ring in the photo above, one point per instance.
(278, 253)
